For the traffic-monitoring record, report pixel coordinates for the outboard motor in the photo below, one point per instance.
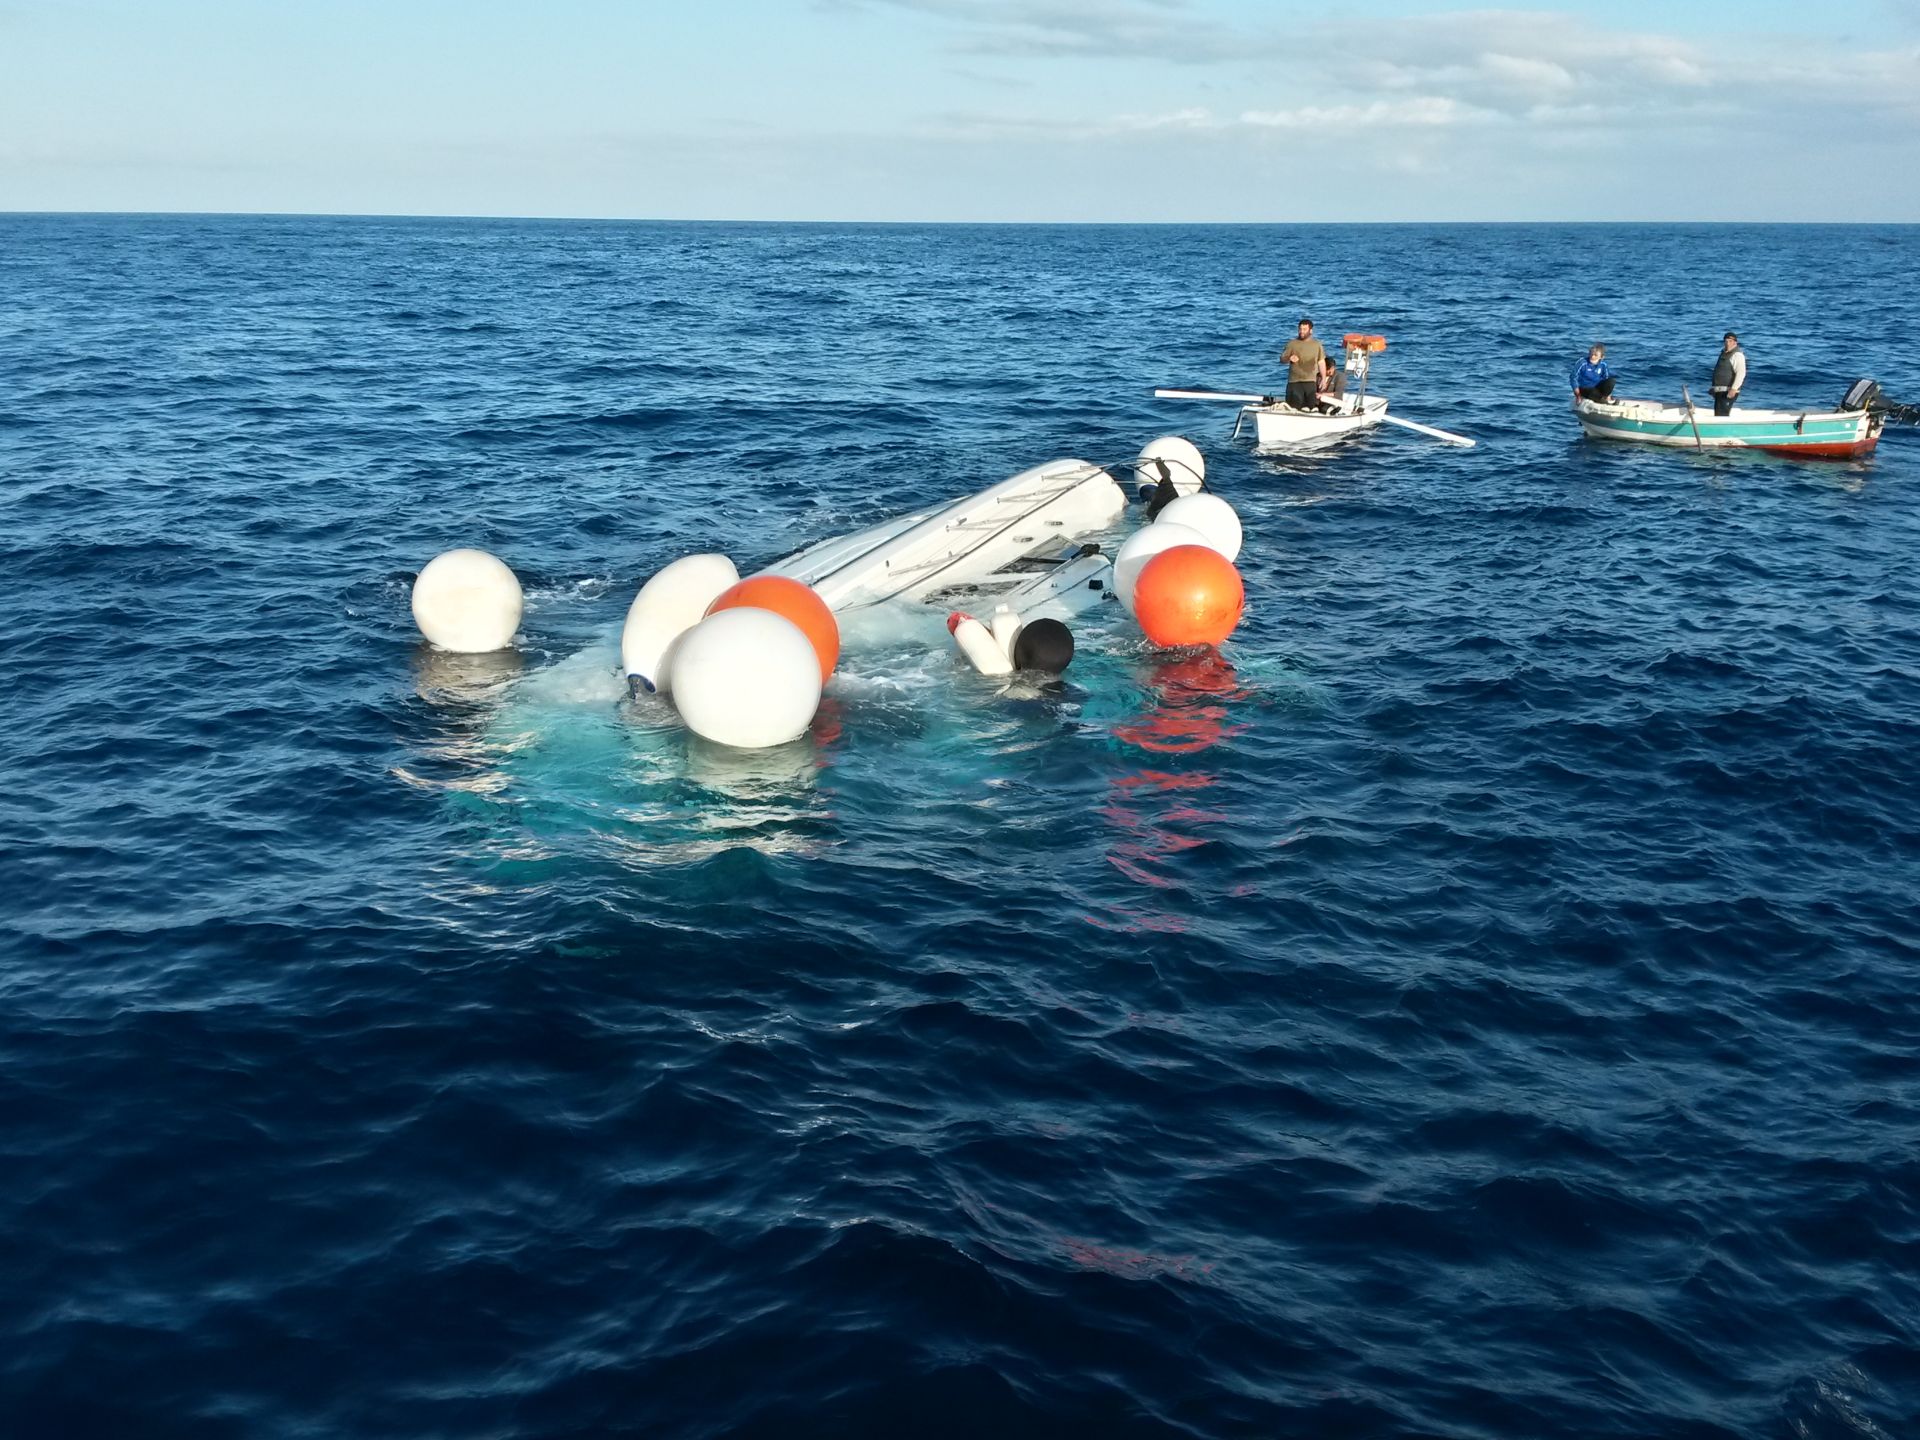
(1863, 395)
(1867, 395)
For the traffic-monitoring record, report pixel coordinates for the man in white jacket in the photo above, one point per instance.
(1729, 374)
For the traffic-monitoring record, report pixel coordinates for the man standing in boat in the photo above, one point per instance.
(1729, 374)
(1306, 361)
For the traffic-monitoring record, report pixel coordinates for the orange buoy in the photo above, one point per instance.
(1188, 595)
(792, 600)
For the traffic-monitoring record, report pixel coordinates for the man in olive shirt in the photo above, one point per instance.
(1306, 359)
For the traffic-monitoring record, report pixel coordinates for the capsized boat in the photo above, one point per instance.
(1279, 428)
(1020, 557)
(1016, 534)
(1850, 429)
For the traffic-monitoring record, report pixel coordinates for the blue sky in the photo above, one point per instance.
(1180, 110)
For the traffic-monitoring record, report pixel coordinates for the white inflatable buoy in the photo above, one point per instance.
(1213, 517)
(1005, 624)
(977, 643)
(1141, 547)
(669, 605)
(467, 601)
(1181, 460)
(747, 678)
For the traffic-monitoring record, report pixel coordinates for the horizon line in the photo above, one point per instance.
(728, 220)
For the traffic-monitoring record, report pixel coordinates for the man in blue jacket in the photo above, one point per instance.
(1593, 377)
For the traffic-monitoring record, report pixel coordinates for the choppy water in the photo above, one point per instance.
(1478, 1002)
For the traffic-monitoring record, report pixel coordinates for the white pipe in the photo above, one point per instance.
(1446, 435)
(1214, 395)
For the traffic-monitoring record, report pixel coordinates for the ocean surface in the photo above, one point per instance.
(1479, 1000)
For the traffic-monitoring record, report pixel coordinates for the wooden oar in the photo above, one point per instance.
(1698, 443)
(1446, 435)
(1214, 395)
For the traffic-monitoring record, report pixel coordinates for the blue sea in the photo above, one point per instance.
(1479, 1000)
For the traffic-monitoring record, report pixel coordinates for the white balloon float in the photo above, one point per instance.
(1005, 625)
(1142, 546)
(1182, 461)
(980, 644)
(747, 678)
(468, 602)
(1213, 517)
(669, 605)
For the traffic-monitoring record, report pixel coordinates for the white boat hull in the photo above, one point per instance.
(1071, 585)
(1279, 427)
(968, 543)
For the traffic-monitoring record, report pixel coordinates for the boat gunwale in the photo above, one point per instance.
(1652, 410)
(1792, 434)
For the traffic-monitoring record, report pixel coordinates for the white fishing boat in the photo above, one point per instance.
(1011, 537)
(1280, 428)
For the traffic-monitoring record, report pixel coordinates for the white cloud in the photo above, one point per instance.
(1420, 112)
(969, 127)
(1528, 73)
(1160, 30)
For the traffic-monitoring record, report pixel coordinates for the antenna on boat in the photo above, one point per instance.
(1360, 352)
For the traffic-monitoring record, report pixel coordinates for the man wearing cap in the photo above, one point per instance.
(1306, 361)
(1729, 374)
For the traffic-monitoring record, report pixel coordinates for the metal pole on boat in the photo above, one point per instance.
(1698, 443)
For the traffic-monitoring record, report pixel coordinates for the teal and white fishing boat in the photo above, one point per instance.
(1852, 429)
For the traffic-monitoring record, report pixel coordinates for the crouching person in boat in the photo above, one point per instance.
(1593, 377)
(1306, 361)
(1729, 374)
(1333, 384)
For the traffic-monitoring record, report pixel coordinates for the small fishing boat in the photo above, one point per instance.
(1279, 428)
(1849, 430)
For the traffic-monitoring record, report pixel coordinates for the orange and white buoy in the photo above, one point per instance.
(1188, 595)
(796, 601)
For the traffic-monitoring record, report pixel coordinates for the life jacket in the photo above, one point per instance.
(1723, 369)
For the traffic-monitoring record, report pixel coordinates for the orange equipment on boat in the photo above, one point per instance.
(1372, 344)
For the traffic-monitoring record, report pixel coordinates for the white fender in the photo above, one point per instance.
(747, 678)
(467, 601)
(976, 642)
(669, 605)
(1005, 626)
(1183, 463)
(1211, 516)
(1142, 546)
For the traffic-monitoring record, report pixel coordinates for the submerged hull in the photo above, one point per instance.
(1279, 427)
(1809, 434)
(970, 542)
